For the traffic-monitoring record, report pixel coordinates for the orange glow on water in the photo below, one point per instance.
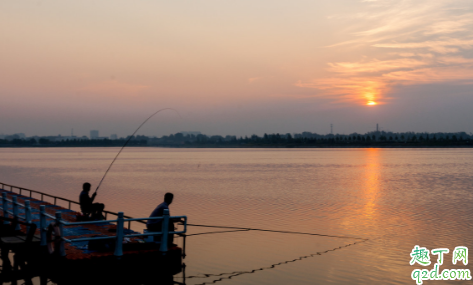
(371, 187)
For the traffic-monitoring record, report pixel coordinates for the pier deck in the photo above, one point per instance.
(137, 255)
(79, 250)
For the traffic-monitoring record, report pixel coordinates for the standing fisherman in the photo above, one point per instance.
(87, 205)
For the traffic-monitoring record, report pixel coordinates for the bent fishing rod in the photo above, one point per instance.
(128, 140)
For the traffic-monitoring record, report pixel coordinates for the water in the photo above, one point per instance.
(395, 198)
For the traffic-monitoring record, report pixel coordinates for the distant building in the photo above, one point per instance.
(63, 138)
(94, 134)
(14, 136)
(57, 138)
(113, 137)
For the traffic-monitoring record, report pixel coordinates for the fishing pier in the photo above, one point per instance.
(47, 236)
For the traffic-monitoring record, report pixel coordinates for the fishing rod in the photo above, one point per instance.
(129, 138)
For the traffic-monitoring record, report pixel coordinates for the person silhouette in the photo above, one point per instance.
(87, 206)
(156, 225)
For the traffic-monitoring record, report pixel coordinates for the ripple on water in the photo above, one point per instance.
(396, 198)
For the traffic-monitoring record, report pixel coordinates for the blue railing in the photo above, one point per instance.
(60, 223)
(53, 199)
(15, 212)
(120, 234)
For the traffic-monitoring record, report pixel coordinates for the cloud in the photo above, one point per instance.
(374, 66)
(458, 24)
(358, 90)
(414, 42)
(437, 46)
(431, 75)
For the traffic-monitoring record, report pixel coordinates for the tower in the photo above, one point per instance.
(331, 129)
(94, 134)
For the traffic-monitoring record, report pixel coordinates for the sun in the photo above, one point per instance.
(371, 103)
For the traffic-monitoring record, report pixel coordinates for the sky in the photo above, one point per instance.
(235, 67)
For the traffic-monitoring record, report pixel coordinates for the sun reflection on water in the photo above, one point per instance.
(371, 187)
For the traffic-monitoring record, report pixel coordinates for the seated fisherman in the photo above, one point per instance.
(156, 225)
(87, 205)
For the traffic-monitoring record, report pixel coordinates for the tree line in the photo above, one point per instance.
(304, 139)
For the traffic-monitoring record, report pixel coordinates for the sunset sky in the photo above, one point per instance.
(235, 67)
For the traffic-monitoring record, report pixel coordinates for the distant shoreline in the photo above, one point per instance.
(377, 139)
(254, 146)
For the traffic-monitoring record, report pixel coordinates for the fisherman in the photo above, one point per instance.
(156, 225)
(87, 205)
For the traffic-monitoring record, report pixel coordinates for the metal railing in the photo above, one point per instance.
(15, 212)
(120, 235)
(56, 199)
(60, 222)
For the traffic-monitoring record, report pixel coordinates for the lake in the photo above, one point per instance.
(388, 200)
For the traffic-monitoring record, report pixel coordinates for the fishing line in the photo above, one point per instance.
(217, 232)
(275, 231)
(237, 273)
(229, 275)
(126, 142)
